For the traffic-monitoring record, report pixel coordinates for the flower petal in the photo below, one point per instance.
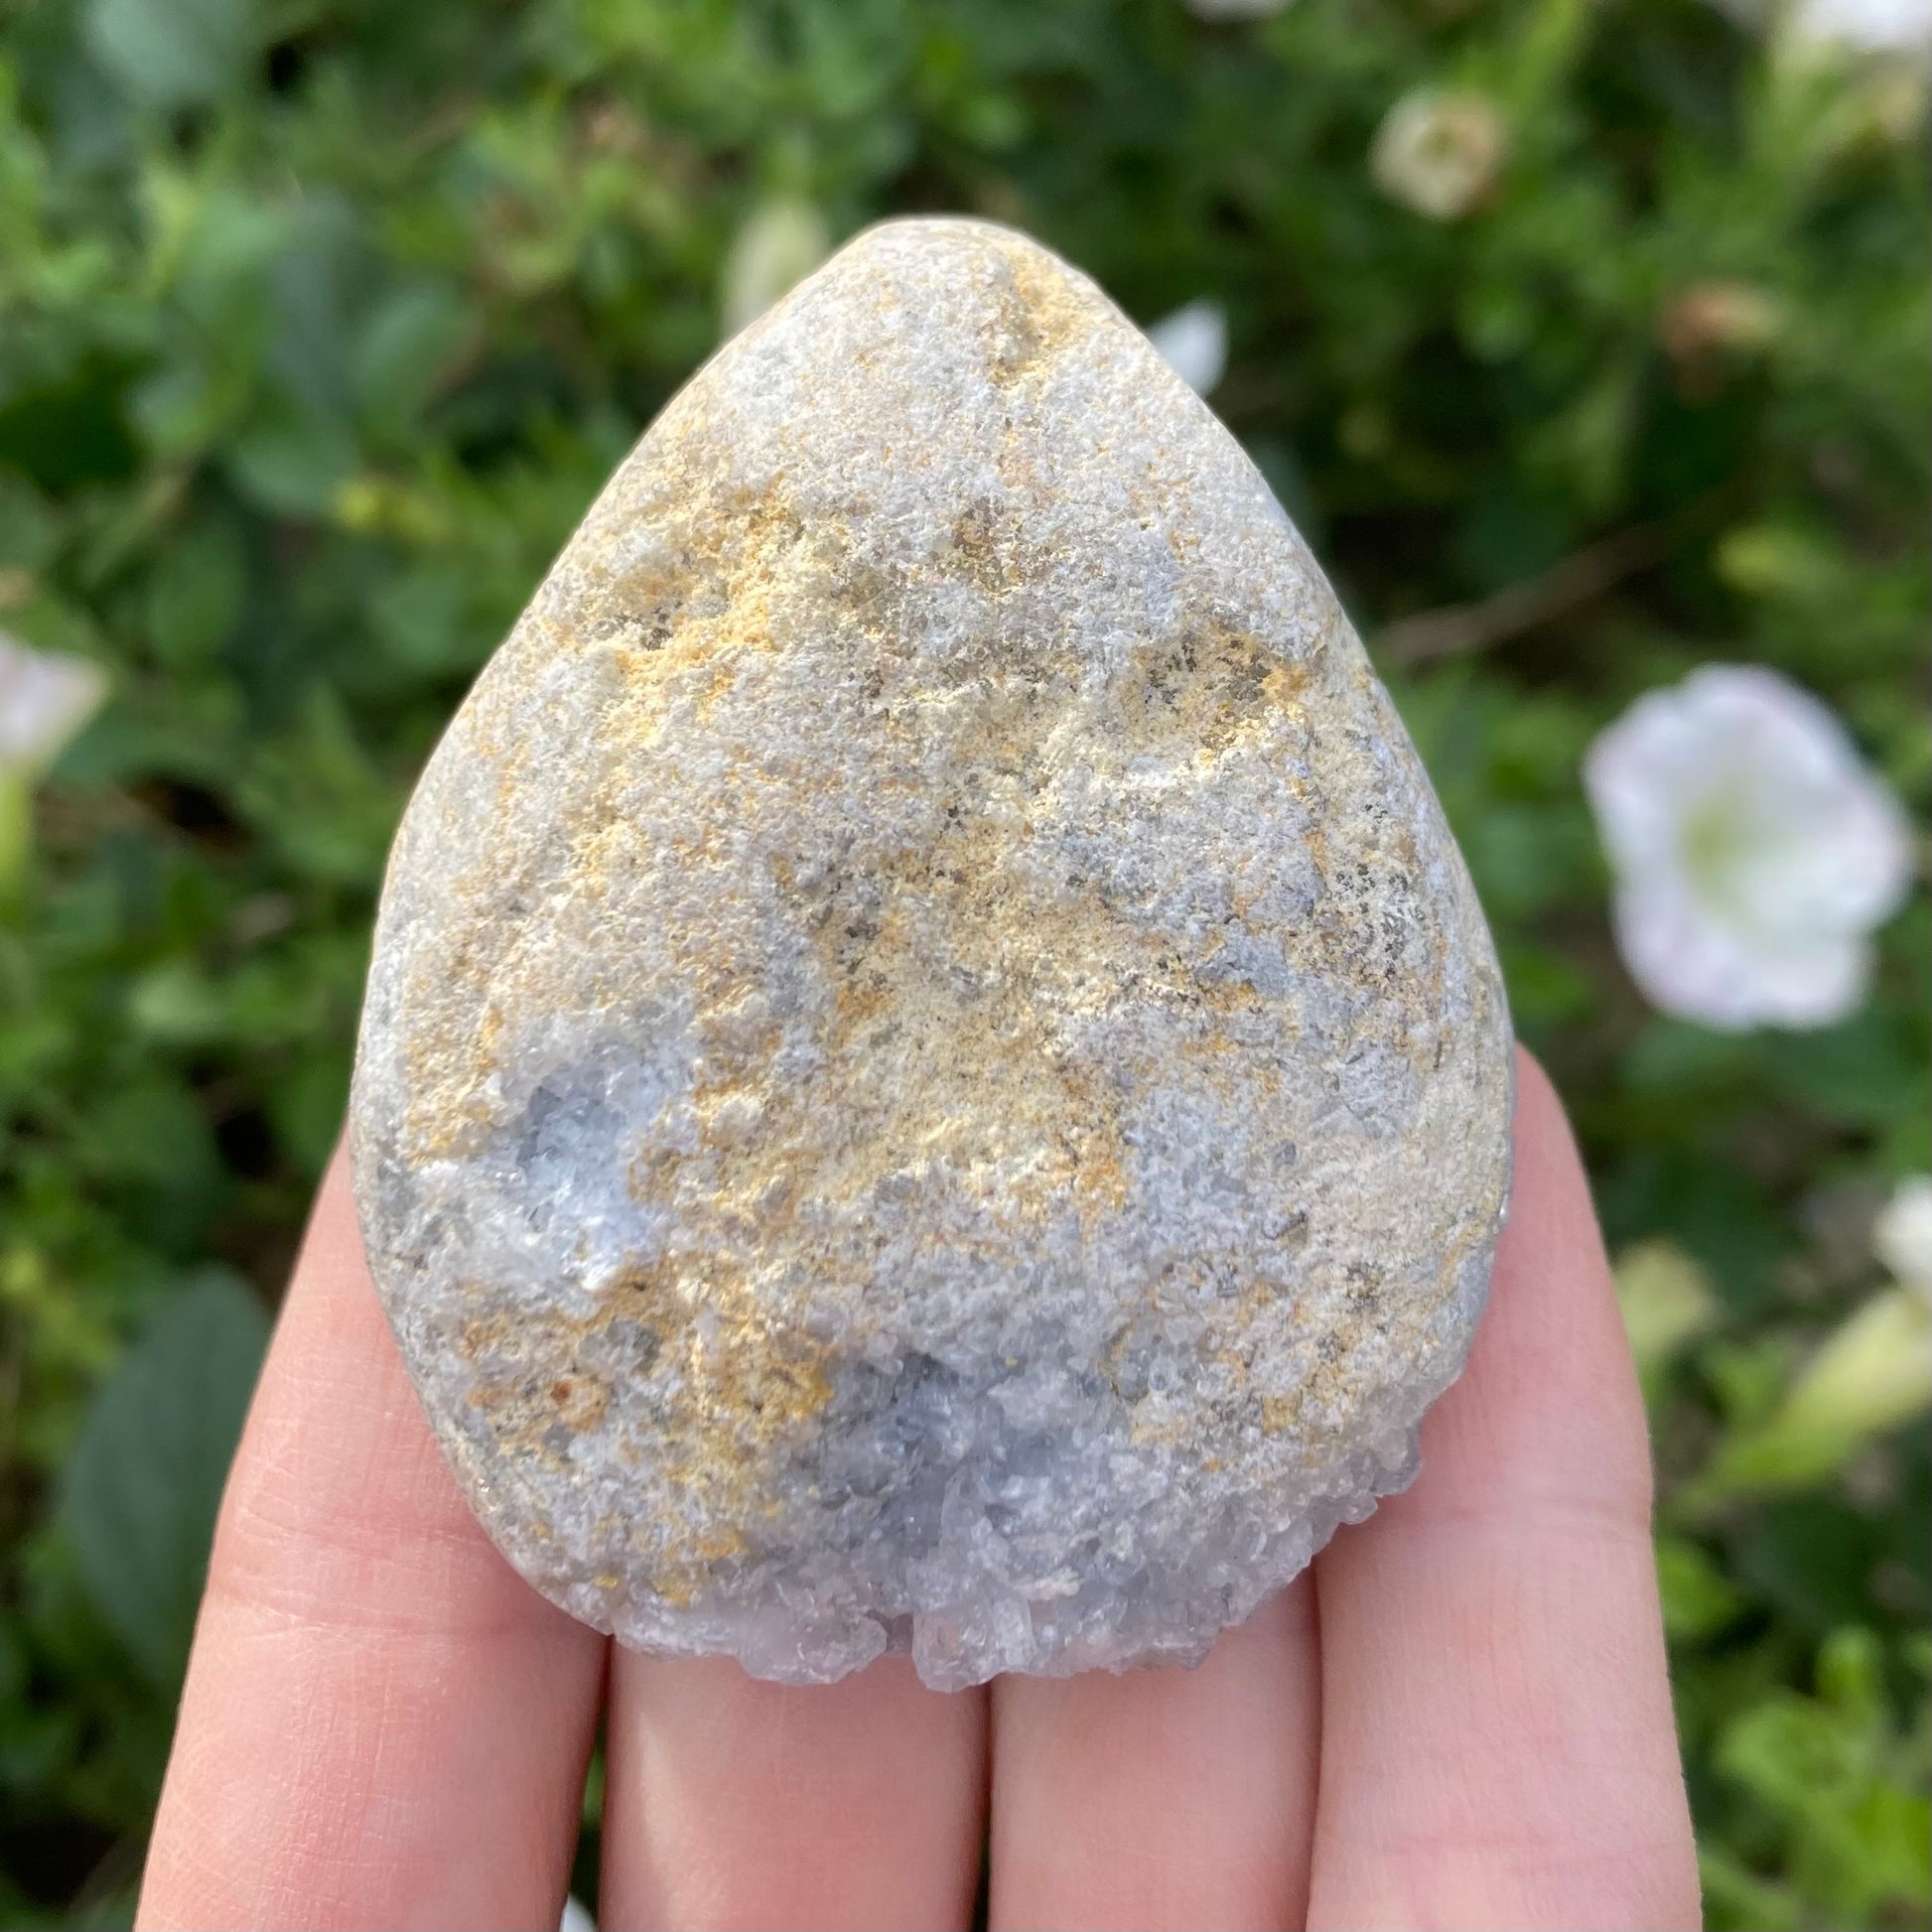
(1194, 342)
(1754, 848)
(44, 699)
(1901, 1237)
(780, 243)
(1437, 152)
(1697, 968)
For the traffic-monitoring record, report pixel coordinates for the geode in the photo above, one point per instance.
(932, 1077)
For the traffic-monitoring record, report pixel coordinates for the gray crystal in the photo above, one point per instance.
(932, 1078)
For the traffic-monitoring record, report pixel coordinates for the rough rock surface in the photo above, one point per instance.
(932, 1076)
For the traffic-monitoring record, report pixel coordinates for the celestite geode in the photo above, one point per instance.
(932, 1077)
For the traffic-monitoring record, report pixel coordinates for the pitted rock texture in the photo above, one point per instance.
(932, 1077)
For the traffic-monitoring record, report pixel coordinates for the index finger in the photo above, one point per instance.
(382, 1724)
(1497, 1743)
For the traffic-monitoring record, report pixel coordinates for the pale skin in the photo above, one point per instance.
(1459, 1716)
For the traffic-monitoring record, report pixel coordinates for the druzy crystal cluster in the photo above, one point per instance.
(932, 1078)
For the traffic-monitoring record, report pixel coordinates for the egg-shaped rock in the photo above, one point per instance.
(932, 1077)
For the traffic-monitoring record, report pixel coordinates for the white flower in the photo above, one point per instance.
(1875, 26)
(45, 698)
(1753, 849)
(1194, 342)
(1437, 152)
(780, 243)
(1901, 1237)
(1236, 9)
(1868, 26)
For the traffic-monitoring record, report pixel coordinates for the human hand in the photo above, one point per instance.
(1458, 1717)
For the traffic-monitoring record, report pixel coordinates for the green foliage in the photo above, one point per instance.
(1833, 1780)
(147, 1468)
(321, 322)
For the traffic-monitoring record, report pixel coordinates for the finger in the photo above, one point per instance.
(1497, 1744)
(732, 1802)
(382, 1725)
(1162, 1797)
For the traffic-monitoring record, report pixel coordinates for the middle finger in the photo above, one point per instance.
(736, 1802)
(1163, 1797)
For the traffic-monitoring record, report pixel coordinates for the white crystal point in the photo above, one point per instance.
(932, 1078)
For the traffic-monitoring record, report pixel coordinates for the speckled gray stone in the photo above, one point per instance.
(932, 1078)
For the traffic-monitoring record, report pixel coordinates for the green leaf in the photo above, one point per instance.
(1546, 989)
(404, 351)
(146, 1476)
(1699, 1598)
(27, 523)
(306, 1109)
(292, 464)
(1736, 1898)
(195, 594)
(169, 54)
(174, 1002)
(1834, 1768)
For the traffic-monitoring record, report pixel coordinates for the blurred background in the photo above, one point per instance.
(1586, 341)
